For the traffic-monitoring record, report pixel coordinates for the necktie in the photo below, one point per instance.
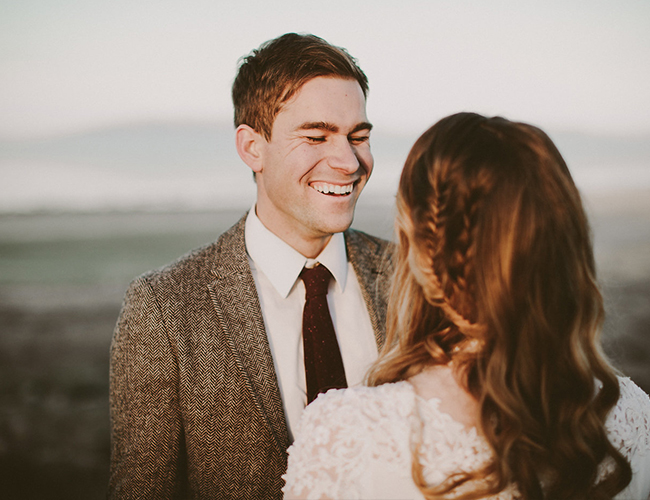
(323, 363)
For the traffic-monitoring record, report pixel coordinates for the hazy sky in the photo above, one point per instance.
(581, 65)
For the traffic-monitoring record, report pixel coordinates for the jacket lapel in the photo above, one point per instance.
(238, 308)
(372, 264)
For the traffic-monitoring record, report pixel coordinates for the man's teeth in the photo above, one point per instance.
(333, 188)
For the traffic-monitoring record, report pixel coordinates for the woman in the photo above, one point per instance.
(492, 383)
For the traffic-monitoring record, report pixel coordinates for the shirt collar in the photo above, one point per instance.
(282, 265)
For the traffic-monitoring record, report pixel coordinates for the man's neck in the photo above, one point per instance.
(309, 248)
(307, 245)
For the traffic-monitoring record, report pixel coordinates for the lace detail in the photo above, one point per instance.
(356, 443)
(628, 427)
(360, 441)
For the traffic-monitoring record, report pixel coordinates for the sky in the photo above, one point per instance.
(581, 65)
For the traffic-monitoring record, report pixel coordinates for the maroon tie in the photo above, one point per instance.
(323, 363)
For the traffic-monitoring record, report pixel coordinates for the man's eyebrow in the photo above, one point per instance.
(330, 127)
(362, 126)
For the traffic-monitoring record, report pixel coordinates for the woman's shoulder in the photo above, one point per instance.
(628, 427)
(342, 433)
(629, 420)
(632, 393)
(368, 399)
(359, 405)
(632, 407)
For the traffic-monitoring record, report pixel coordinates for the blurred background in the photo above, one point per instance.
(117, 156)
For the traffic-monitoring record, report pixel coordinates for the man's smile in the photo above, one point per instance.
(333, 189)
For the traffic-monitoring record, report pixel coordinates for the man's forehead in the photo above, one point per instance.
(321, 85)
(325, 103)
(289, 93)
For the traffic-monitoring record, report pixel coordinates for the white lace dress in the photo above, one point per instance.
(356, 444)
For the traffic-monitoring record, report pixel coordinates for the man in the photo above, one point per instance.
(208, 373)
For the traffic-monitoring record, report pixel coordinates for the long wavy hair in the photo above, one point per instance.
(495, 272)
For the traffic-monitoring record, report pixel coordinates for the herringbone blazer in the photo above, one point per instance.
(195, 405)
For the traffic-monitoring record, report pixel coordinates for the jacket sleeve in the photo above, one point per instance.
(147, 449)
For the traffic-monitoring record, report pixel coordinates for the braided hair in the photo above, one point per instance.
(495, 272)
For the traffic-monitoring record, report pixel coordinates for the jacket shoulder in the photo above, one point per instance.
(364, 239)
(367, 250)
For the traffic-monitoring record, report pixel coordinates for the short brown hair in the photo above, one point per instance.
(270, 75)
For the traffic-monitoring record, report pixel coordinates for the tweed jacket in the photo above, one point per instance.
(195, 405)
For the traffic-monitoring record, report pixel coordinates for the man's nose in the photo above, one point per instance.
(343, 156)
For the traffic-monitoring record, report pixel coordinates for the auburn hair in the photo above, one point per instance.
(273, 73)
(495, 271)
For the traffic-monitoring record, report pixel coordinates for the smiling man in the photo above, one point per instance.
(215, 356)
(312, 168)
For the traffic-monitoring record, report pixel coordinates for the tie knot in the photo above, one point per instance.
(316, 280)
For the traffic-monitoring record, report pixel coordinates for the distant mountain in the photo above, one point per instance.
(152, 147)
(598, 149)
(196, 166)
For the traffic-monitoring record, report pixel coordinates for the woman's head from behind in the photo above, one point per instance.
(495, 272)
(492, 232)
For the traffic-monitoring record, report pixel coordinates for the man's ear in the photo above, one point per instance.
(250, 147)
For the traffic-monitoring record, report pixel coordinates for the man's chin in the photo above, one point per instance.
(337, 226)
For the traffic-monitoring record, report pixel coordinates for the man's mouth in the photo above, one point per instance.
(333, 189)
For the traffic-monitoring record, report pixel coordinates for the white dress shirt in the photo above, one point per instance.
(276, 267)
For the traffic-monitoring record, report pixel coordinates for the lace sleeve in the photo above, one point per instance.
(628, 426)
(322, 449)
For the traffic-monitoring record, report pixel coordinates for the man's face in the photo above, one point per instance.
(316, 164)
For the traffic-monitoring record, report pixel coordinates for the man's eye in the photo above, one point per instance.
(359, 139)
(315, 138)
